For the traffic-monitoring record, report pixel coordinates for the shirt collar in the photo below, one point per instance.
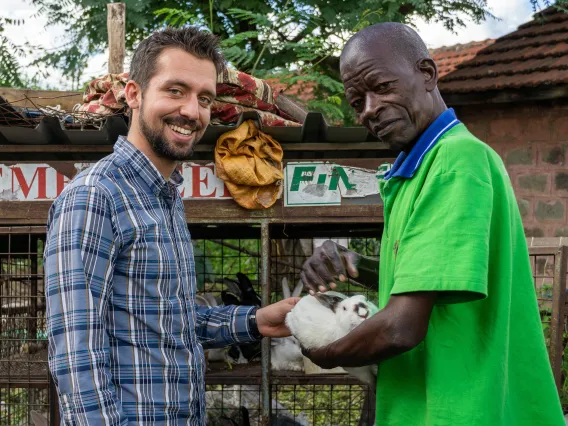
(128, 153)
(406, 165)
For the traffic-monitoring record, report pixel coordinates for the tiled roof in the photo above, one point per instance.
(449, 57)
(534, 55)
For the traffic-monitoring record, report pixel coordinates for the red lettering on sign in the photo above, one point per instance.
(62, 180)
(41, 182)
(201, 187)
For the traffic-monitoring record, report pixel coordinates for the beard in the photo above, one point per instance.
(161, 146)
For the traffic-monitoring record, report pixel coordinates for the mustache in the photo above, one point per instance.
(181, 122)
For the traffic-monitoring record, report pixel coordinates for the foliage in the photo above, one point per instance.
(539, 4)
(285, 38)
(10, 72)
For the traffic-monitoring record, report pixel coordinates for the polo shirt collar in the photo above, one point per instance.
(406, 165)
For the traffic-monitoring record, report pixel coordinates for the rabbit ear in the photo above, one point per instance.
(328, 301)
(201, 300)
(211, 299)
(244, 282)
(229, 299)
(232, 286)
(298, 289)
(285, 288)
(38, 419)
(245, 418)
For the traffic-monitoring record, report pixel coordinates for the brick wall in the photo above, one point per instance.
(532, 139)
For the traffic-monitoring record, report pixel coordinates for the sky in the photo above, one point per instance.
(512, 13)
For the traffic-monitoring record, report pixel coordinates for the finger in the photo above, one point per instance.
(314, 280)
(334, 261)
(351, 260)
(311, 289)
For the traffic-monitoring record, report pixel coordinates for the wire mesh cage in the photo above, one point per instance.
(298, 396)
(234, 374)
(24, 377)
(549, 268)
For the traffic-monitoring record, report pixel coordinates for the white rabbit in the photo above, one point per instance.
(285, 352)
(317, 321)
(38, 419)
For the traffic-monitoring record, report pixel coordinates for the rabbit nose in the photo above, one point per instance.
(361, 310)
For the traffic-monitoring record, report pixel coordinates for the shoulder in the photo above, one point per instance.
(101, 180)
(460, 152)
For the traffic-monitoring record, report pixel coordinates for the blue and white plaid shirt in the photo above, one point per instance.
(125, 334)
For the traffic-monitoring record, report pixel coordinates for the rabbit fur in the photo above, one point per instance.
(285, 352)
(319, 320)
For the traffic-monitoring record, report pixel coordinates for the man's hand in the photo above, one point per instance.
(328, 263)
(321, 357)
(270, 319)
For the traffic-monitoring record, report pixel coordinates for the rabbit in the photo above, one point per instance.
(38, 419)
(285, 352)
(319, 320)
(244, 290)
(242, 293)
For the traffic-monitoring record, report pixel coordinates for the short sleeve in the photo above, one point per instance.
(445, 245)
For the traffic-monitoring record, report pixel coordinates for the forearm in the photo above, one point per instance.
(398, 328)
(223, 325)
(373, 341)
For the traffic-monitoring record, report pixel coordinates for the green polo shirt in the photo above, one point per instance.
(452, 225)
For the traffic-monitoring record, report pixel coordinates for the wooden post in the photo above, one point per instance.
(116, 23)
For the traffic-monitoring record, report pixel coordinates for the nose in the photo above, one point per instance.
(372, 107)
(190, 108)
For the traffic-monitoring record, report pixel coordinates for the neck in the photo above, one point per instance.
(438, 109)
(165, 167)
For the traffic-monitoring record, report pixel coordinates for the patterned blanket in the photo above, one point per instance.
(237, 92)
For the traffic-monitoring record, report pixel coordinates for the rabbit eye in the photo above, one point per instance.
(344, 308)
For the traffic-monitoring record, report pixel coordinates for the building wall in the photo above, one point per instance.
(532, 140)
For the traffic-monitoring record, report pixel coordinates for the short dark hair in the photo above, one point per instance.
(199, 43)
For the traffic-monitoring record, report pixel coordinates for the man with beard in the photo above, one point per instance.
(125, 334)
(458, 339)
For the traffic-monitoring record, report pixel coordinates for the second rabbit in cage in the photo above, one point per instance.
(285, 352)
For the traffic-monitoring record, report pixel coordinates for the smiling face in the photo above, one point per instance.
(391, 95)
(174, 110)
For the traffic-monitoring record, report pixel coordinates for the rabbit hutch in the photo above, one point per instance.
(329, 191)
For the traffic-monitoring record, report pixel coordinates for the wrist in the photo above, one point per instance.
(253, 324)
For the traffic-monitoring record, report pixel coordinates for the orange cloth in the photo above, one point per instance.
(250, 163)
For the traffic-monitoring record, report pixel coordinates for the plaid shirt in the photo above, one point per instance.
(125, 334)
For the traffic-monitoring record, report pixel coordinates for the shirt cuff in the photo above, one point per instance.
(241, 329)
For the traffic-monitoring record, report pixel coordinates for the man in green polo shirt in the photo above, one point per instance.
(458, 339)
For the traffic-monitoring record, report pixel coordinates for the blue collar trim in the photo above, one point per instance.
(406, 165)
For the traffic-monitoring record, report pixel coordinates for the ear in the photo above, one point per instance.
(429, 70)
(133, 94)
(328, 301)
(298, 289)
(285, 288)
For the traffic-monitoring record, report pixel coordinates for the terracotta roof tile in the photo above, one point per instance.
(534, 55)
(448, 58)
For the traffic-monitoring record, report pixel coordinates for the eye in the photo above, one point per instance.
(383, 87)
(174, 91)
(344, 308)
(205, 100)
(357, 104)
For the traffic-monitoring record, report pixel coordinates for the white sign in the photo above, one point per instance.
(325, 184)
(40, 182)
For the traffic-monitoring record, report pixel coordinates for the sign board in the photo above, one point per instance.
(325, 184)
(305, 183)
(40, 182)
